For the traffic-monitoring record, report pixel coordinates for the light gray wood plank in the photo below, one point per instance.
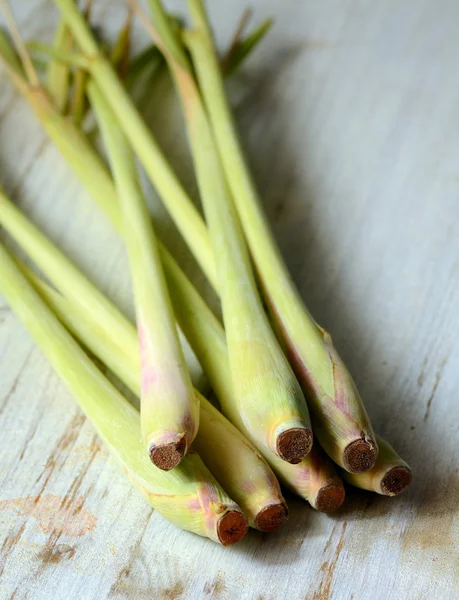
(350, 116)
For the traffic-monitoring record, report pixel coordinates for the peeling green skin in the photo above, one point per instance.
(188, 496)
(373, 480)
(339, 416)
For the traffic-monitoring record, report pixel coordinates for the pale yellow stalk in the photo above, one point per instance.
(189, 496)
(169, 407)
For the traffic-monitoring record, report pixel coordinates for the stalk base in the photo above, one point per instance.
(330, 497)
(271, 517)
(168, 456)
(293, 445)
(360, 455)
(396, 481)
(231, 528)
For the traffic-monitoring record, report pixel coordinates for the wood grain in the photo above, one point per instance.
(350, 116)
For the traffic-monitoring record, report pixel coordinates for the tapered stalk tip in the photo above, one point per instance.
(231, 528)
(360, 455)
(330, 497)
(294, 444)
(396, 481)
(271, 517)
(167, 456)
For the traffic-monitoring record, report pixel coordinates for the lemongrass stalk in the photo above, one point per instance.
(169, 407)
(156, 165)
(58, 73)
(226, 452)
(189, 496)
(271, 403)
(339, 417)
(200, 326)
(390, 476)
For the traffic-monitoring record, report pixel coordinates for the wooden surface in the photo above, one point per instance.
(350, 115)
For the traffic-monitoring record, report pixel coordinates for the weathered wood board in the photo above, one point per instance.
(350, 115)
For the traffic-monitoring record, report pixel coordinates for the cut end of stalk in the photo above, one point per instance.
(271, 517)
(168, 456)
(330, 497)
(396, 481)
(231, 528)
(360, 455)
(294, 444)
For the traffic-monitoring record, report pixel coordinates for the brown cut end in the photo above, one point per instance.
(231, 528)
(271, 517)
(330, 497)
(360, 456)
(168, 456)
(294, 444)
(396, 481)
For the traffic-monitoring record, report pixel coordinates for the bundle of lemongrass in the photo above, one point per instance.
(214, 471)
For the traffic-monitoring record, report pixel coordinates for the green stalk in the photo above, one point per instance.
(339, 417)
(270, 400)
(156, 165)
(390, 476)
(169, 407)
(200, 326)
(227, 453)
(189, 496)
(58, 73)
